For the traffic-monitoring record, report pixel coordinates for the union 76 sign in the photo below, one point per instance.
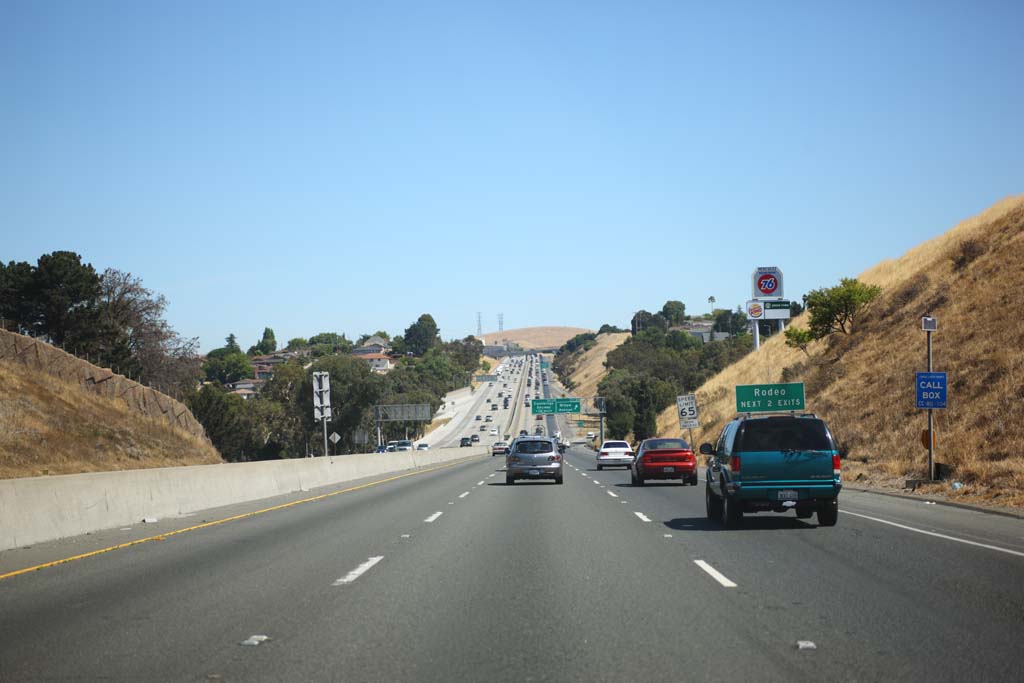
(766, 283)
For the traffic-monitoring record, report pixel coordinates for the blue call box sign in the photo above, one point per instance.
(931, 389)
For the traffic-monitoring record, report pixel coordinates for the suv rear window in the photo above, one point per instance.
(533, 447)
(783, 434)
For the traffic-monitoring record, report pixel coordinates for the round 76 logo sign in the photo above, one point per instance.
(767, 283)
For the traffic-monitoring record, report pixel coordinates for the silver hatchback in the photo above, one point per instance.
(533, 457)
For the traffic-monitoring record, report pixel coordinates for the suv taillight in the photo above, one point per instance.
(734, 464)
(835, 464)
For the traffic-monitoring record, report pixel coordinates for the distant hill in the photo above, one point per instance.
(535, 337)
(62, 415)
(970, 280)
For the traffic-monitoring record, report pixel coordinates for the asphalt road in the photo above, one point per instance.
(452, 575)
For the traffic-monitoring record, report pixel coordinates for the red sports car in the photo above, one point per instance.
(664, 459)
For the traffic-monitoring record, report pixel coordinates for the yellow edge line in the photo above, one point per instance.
(160, 537)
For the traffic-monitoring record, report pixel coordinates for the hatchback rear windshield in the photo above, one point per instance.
(615, 444)
(534, 447)
(659, 444)
(784, 434)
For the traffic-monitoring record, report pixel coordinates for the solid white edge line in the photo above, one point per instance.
(642, 516)
(358, 571)
(936, 534)
(433, 517)
(612, 494)
(714, 573)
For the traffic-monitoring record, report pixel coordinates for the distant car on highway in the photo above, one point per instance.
(664, 459)
(773, 463)
(479, 417)
(475, 438)
(614, 454)
(403, 445)
(494, 431)
(533, 458)
(499, 448)
(423, 447)
(465, 441)
(523, 432)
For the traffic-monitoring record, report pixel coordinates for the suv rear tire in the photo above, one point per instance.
(713, 505)
(509, 480)
(828, 513)
(733, 512)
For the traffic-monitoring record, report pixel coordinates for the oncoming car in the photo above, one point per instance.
(533, 457)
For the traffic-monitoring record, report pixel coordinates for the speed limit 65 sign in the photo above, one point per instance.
(686, 406)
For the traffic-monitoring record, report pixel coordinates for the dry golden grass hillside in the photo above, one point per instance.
(535, 337)
(49, 426)
(968, 278)
(590, 370)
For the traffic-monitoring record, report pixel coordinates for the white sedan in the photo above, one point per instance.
(614, 454)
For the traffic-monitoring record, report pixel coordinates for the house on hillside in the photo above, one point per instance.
(372, 345)
(379, 362)
(263, 366)
(246, 388)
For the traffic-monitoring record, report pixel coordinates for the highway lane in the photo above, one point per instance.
(465, 424)
(594, 579)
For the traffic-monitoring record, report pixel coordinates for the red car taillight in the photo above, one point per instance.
(629, 453)
(835, 465)
(554, 458)
(603, 453)
(734, 464)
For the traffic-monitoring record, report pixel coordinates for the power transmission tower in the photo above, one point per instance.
(501, 322)
(479, 324)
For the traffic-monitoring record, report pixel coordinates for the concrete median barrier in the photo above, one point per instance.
(38, 509)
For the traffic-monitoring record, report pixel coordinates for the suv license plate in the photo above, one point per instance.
(788, 494)
(535, 472)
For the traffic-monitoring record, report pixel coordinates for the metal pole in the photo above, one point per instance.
(931, 433)
(757, 336)
(325, 436)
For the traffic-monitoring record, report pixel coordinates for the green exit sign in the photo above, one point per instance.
(769, 398)
(544, 365)
(551, 406)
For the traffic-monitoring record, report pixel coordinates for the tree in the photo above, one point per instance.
(835, 309)
(64, 292)
(16, 302)
(733, 322)
(296, 343)
(609, 329)
(795, 309)
(227, 368)
(711, 303)
(799, 338)
(421, 335)
(268, 344)
(231, 343)
(643, 320)
(674, 312)
(224, 418)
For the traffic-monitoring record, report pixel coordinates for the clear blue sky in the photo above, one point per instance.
(324, 166)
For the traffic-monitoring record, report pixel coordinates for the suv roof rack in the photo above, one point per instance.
(789, 413)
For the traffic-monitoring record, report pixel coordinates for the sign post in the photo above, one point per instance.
(686, 406)
(322, 401)
(931, 391)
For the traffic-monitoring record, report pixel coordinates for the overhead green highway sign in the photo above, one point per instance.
(769, 398)
(552, 406)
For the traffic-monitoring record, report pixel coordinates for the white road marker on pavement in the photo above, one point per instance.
(937, 535)
(433, 517)
(480, 483)
(642, 516)
(612, 494)
(491, 475)
(254, 640)
(597, 482)
(358, 571)
(667, 535)
(463, 494)
(806, 645)
(714, 573)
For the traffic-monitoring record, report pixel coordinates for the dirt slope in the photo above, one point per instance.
(590, 370)
(535, 337)
(62, 415)
(968, 278)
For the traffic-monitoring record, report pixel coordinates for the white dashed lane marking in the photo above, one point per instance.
(612, 494)
(714, 573)
(433, 517)
(358, 571)
(642, 516)
(463, 494)
(480, 483)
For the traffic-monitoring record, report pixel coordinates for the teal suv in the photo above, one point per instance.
(773, 463)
